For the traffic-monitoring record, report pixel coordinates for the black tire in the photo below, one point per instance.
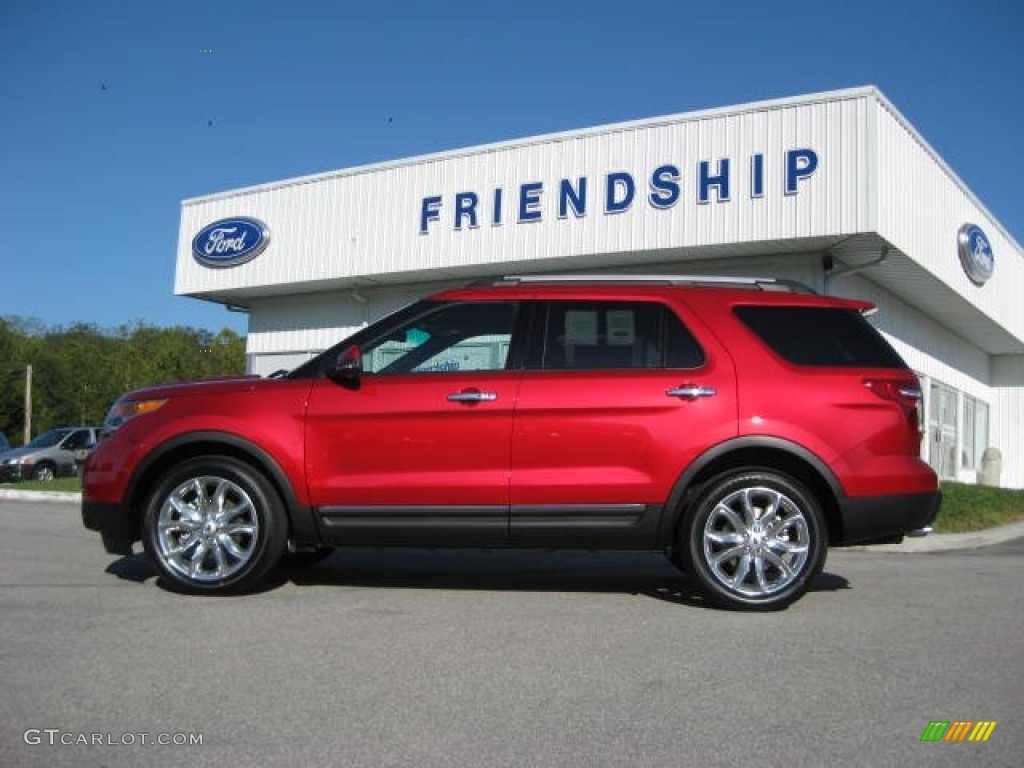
(305, 559)
(44, 471)
(754, 539)
(214, 525)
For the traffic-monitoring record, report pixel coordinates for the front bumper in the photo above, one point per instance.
(11, 473)
(114, 524)
(886, 519)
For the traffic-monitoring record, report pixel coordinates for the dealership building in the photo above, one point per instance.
(836, 190)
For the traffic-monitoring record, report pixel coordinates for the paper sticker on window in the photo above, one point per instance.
(621, 327)
(580, 326)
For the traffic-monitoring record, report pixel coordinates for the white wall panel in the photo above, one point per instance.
(1007, 431)
(1008, 428)
(314, 322)
(921, 206)
(364, 222)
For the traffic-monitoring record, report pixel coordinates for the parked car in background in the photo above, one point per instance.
(56, 453)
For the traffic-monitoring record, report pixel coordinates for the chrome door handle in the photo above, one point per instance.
(691, 391)
(473, 396)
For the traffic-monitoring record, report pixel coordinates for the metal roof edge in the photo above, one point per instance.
(786, 102)
(900, 118)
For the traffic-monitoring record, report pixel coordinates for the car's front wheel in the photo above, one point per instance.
(214, 524)
(305, 558)
(44, 471)
(754, 539)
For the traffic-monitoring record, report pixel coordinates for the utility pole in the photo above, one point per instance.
(11, 376)
(28, 404)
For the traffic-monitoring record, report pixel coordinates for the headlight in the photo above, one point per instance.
(124, 411)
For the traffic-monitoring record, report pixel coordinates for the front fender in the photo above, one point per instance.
(189, 444)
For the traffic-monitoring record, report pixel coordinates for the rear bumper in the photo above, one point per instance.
(876, 519)
(114, 524)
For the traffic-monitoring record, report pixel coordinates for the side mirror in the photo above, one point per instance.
(348, 368)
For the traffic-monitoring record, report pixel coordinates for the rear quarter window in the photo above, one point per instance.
(820, 336)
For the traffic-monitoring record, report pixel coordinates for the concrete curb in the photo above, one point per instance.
(937, 542)
(67, 497)
(942, 542)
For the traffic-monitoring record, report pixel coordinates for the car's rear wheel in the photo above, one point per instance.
(754, 539)
(214, 524)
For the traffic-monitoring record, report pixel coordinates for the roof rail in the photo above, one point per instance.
(719, 281)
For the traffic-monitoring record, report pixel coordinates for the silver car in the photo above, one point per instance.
(53, 454)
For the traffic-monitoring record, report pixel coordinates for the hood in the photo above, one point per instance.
(218, 385)
(17, 453)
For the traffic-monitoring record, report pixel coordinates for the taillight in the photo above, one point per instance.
(904, 391)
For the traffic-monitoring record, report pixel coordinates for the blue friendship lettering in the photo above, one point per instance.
(713, 180)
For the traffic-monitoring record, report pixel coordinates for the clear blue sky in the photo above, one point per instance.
(105, 105)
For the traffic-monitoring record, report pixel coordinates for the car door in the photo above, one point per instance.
(418, 450)
(615, 402)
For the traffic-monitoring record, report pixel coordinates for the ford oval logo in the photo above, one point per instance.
(976, 255)
(229, 242)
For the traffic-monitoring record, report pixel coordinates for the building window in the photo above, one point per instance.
(975, 432)
(942, 430)
(957, 433)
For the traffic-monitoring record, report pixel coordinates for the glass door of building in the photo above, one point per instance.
(942, 430)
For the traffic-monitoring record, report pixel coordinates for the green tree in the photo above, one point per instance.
(78, 371)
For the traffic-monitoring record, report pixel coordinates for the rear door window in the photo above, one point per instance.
(820, 336)
(614, 335)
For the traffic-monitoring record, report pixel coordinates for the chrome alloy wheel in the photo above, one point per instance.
(207, 529)
(756, 541)
(44, 472)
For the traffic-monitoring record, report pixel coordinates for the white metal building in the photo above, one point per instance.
(836, 190)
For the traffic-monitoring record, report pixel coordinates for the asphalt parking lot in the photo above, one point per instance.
(440, 658)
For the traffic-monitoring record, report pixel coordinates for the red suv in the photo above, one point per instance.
(741, 426)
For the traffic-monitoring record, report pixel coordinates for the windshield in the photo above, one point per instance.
(49, 439)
